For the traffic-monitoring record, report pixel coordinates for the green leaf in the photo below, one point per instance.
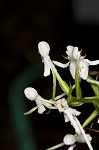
(64, 86)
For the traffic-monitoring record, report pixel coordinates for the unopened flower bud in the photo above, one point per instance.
(30, 93)
(44, 48)
(69, 139)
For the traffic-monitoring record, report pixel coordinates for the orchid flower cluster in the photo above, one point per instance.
(66, 102)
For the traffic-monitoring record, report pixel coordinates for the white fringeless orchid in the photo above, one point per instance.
(79, 69)
(71, 139)
(75, 59)
(41, 103)
(44, 50)
(70, 115)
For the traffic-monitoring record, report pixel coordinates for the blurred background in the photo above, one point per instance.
(22, 25)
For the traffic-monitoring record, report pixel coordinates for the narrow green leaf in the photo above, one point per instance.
(64, 86)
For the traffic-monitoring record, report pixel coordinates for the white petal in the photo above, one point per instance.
(40, 106)
(69, 50)
(80, 138)
(48, 105)
(69, 139)
(46, 67)
(84, 135)
(72, 119)
(61, 64)
(74, 112)
(30, 93)
(76, 53)
(73, 68)
(95, 62)
(83, 69)
(66, 118)
(44, 48)
(71, 147)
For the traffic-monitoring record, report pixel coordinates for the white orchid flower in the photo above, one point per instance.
(75, 58)
(44, 50)
(41, 103)
(71, 139)
(70, 115)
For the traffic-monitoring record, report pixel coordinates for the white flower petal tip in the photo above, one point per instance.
(74, 112)
(69, 139)
(60, 64)
(76, 53)
(30, 93)
(44, 48)
(70, 48)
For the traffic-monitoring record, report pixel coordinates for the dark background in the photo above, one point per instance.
(22, 25)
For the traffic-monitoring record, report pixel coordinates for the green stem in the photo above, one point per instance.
(46, 101)
(90, 118)
(54, 86)
(30, 111)
(85, 100)
(77, 84)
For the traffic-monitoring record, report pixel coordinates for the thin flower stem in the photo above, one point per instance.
(82, 100)
(90, 118)
(92, 81)
(54, 86)
(47, 101)
(30, 111)
(56, 146)
(77, 84)
(60, 96)
(93, 97)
